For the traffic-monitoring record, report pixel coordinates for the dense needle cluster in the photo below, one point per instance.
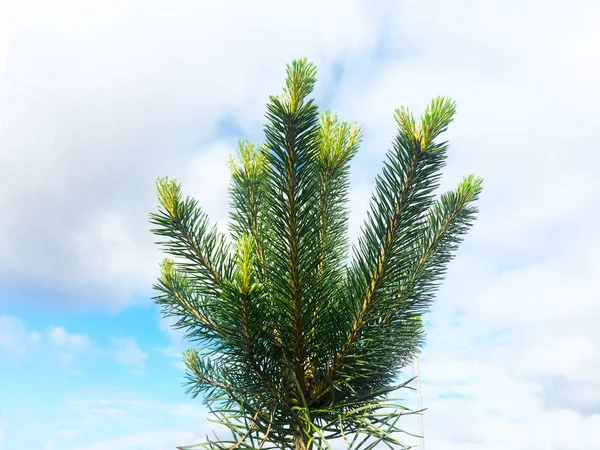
(299, 340)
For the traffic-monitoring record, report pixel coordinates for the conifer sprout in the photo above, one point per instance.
(298, 341)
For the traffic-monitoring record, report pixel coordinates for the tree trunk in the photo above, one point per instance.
(299, 438)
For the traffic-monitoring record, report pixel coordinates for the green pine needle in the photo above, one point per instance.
(295, 347)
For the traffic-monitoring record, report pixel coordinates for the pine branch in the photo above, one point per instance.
(179, 299)
(247, 285)
(248, 170)
(448, 221)
(290, 140)
(403, 194)
(204, 251)
(338, 142)
(296, 348)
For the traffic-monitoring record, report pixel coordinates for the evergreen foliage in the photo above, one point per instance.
(295, 347)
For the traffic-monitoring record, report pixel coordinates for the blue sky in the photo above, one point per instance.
(99, 98)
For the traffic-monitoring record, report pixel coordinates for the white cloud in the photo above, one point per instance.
(115, 109)
(88, 417)
(109, 245)
(68, 345)
(19, 343)
(177, 342)
(511, 358)
(91, 118)
(15, 339)
(191, 418)
(128, 353)
(35, 336)
(515, 353)
(75, 342)
(207, 179)
(150, 440)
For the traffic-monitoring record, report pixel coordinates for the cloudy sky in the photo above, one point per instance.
(98, 98)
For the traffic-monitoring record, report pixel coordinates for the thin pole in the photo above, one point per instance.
(421, 428)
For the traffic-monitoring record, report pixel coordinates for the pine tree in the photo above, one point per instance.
(298, 340)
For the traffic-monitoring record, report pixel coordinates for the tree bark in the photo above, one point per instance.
(299, 438)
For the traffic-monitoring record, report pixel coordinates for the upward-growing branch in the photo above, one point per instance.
(403, 194)
(205, 252)
(295, 347)
(338, 143)
(290, 141)
(248, 170)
